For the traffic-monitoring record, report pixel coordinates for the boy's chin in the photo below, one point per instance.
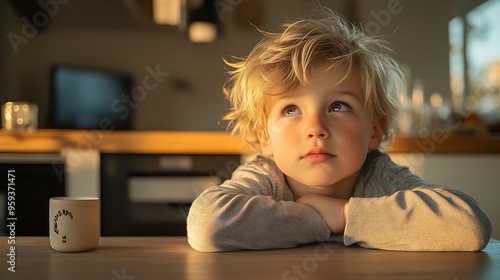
(318, 184)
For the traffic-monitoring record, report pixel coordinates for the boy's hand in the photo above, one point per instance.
(332, 210)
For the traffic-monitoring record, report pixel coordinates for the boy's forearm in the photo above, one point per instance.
(332, 210)
(422, 219)
(220, 220)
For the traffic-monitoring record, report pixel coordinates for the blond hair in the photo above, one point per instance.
(283, 61)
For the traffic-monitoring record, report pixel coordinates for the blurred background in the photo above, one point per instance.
(447, 49)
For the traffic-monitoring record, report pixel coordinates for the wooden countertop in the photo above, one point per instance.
(133, 142)
(177, 142)
(145, 258)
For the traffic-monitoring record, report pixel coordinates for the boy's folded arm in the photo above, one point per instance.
(250, 211)
(224, 221)
(421, 219)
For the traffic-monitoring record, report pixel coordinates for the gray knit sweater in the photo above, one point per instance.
(391, 209)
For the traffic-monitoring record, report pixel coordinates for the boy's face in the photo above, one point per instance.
(319, 135)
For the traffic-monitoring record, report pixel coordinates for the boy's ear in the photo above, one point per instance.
(265, 144)
(378, 129)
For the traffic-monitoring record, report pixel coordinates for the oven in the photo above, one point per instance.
(150, 195)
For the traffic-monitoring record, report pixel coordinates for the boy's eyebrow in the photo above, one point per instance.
(348, 92)
(332, 91)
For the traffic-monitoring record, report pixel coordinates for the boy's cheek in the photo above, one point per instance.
(276, 127)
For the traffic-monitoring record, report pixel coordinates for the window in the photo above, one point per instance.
(474, 40)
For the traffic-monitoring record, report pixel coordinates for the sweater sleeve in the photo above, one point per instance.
(253, 210)
(401, 212)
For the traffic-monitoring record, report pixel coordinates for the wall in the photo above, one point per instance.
(418, 33)
(105, 34)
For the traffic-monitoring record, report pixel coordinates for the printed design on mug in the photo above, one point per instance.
(60, 213)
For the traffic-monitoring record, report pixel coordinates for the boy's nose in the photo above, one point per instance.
(316, 128)
(320, 134)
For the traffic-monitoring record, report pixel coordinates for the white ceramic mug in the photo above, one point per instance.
(74, 223)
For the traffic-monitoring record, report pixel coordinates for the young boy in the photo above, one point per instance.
(317, 101)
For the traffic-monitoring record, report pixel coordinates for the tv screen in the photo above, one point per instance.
(85, 98)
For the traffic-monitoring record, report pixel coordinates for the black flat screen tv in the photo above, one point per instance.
(86, 98)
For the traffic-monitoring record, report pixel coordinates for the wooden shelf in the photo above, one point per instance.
(177, 142)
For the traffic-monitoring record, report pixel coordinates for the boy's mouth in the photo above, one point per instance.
(317, 155)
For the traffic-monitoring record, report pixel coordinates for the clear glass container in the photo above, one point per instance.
(20, 116)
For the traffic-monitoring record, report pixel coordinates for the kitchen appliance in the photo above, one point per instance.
(145, 195)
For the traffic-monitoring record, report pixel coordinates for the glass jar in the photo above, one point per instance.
(20, 116)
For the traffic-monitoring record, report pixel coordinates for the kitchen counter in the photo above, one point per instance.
(131, 142)
(178, 142)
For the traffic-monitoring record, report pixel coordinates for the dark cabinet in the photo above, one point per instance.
(26, 185)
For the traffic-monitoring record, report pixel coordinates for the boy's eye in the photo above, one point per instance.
(291, 111)
(339, 107)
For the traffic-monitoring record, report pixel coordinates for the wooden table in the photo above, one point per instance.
(140, 258)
